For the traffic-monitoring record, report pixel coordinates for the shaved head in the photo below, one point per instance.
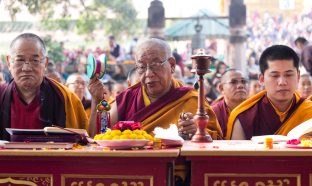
(157, 43)
(226, 74)
(155, 66)
(29, 36)
(233, 87)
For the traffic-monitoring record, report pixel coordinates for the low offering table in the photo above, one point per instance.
(220, 163)
(244, 163)
(85, 167)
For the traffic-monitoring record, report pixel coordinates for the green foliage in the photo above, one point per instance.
(112, 16)
(124, 15)
(86, 24)
(55, 50)
(59, 24)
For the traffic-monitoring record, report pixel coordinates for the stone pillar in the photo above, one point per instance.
(156, 19)
(237, 18)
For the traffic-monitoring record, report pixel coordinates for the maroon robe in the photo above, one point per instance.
(222, 113)
(261, 118)
(131, 107)
(52, 106)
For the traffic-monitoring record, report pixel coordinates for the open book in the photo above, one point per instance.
(46, 130)
(48, 134)
(37, 145)
(300, 131)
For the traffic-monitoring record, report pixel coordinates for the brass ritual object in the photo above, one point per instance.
(200, 65)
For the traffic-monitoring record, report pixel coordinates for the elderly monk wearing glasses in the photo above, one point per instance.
(234, 90)
(32, 101)
(158, 99)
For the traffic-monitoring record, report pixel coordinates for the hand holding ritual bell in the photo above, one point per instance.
(97, 68)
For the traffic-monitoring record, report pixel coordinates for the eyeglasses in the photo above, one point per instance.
(236, 82)
(154, 67)
(77, 83)
(36, 61)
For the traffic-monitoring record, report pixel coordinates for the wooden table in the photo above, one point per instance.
(242, 163)
(88, 167)
(221, 163)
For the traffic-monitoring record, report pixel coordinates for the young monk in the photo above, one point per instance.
(277, 109)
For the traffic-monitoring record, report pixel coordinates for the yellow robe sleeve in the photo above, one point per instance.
(239, 109)
(301, 114)
(76, 116)
(170, 114)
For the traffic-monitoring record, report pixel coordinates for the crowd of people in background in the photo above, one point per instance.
(153, 85)
(262, 32)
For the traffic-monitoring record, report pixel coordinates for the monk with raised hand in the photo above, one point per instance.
(32, 101)
(278, 108)
(158, 99)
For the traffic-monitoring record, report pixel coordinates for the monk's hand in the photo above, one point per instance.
(186, 125)
(97, 89)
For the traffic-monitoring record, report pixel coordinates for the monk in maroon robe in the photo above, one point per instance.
(233, 87)
(158, 99)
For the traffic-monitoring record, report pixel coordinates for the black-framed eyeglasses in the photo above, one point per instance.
(154, 67)
(236, 82)
(34, 61)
